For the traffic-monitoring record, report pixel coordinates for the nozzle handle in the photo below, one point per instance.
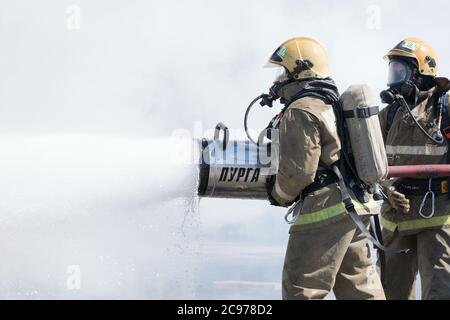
(226, 135)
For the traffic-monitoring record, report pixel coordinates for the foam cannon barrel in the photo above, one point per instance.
(239, 169)
(236, 169)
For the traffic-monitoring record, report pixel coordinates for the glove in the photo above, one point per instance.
(274, 202)
(269, 186)
(398, 200)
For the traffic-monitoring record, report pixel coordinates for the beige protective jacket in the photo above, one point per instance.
(406, 145)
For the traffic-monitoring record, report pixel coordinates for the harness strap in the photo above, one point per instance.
(323, 178)
(362, 112)
(392, 111)
(350, 207)
(376, 228)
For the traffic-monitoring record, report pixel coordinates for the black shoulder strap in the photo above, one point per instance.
(350, 208)
(392, 111)
(313, 92)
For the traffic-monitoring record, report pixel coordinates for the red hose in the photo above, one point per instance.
(420, 171)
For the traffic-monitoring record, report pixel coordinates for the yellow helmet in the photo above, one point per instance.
(303, 58)
(419, 50)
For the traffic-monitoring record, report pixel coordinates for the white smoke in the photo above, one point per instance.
(112, 207)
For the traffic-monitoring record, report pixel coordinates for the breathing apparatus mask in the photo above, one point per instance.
(399, 72)
(404, 78)
(401, 78)
(282, 78)
(405, 85)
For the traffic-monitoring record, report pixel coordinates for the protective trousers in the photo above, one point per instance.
(429, 256)
(334, 257)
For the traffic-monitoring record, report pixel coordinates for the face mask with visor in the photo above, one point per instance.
(399, 72)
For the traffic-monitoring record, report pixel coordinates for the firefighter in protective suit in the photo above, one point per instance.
(417, 213)
(326, 251)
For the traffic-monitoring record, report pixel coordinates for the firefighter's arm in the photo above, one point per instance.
(300, 150)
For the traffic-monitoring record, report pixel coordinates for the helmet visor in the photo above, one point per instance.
(399, 72)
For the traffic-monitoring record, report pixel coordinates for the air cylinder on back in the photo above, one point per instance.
(364, 131)
(236, 169)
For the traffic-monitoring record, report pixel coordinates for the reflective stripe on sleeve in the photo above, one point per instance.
(427, 150)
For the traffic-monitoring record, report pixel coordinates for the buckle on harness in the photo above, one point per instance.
(367, 112)
(349, 206)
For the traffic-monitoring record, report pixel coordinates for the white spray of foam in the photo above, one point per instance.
(118, 209)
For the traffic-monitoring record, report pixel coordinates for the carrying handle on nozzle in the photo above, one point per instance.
(226, 135)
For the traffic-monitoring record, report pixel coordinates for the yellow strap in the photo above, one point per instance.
(416, 224)
(332, 211)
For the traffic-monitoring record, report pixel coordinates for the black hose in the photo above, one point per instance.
(250, 106)
(405, 104)
(390, 96)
